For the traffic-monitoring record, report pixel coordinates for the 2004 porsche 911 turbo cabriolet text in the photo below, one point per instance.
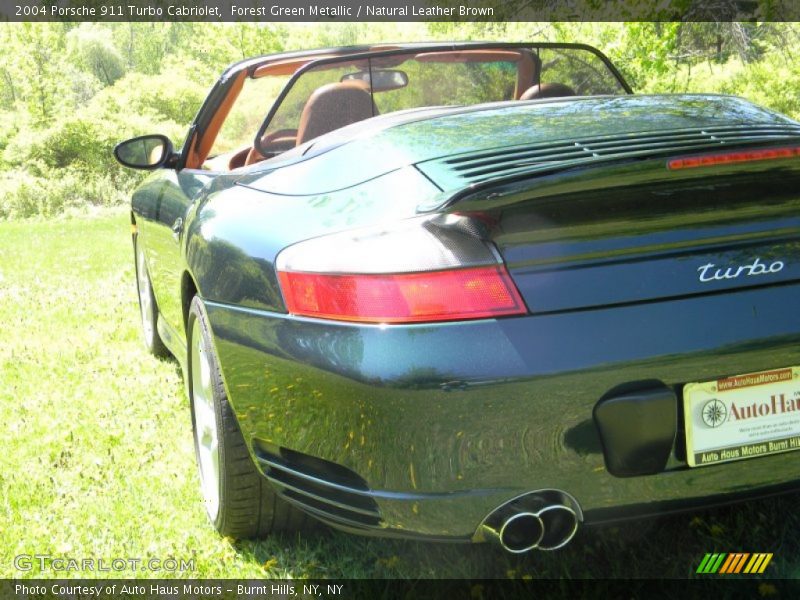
(473, 292)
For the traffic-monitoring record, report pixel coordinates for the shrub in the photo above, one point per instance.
(76, 152)
(50, 194)
(771, 82)
(166, 97)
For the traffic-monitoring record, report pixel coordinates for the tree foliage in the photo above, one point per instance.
(92, 50)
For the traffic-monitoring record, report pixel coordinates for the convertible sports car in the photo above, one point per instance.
(473, 292)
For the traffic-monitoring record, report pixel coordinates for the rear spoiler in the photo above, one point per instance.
(479, 174)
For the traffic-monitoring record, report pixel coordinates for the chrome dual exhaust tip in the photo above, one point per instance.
(560, 526)
(520, 532)
(539, 520)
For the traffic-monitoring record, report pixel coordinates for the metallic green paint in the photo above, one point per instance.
(445, 422)
(506, 404)
(384, 144)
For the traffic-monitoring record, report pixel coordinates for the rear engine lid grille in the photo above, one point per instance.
(455, 172)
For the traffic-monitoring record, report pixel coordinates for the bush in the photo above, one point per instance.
(79, 143)
(771, 82)
(71, 162)
(53, 192)
(167, 97)
(135, 105)
(8, 129)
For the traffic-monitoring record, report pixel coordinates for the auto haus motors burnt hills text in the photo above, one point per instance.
(361, 10)
(266, 589)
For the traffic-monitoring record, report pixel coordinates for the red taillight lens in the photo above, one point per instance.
(710, 160)
(470, 293)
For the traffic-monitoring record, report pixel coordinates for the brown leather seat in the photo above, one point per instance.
(547, 90)
(333, 106)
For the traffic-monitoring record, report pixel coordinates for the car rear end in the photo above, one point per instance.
(582, 330)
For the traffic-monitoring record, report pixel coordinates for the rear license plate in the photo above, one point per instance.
(742, 417)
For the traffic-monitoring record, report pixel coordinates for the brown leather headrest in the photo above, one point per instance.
(547, 90)
(333, 106)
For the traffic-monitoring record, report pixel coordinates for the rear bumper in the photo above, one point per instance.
(437, 425)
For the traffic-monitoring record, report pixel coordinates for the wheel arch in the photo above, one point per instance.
(189, 290)
(134, 227)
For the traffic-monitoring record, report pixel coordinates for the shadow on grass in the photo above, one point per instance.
(666, 547)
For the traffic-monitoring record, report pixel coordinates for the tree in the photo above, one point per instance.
(92, 49)
(36, 63)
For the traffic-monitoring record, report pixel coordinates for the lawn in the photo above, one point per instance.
(97, 459)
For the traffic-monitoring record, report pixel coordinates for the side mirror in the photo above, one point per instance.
(144, 152)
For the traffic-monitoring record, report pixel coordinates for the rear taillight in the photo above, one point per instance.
(422, 271)
(740, 156)
(403, 297)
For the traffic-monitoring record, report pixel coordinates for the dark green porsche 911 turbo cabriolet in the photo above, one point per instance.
(473, 292)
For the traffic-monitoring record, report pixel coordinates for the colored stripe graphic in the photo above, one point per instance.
(703, 564)
(711, 563)
(758, 563)
(739, 563)
(734, 563)
(729, 562)
(755, 562)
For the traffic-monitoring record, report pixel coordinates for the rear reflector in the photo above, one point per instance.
(710, 160)
(470, 293)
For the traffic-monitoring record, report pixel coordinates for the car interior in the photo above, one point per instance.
(337, 91)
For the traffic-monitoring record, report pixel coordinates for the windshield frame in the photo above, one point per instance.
(418, 49)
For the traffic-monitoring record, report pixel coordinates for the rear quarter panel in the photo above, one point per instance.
(236, 233)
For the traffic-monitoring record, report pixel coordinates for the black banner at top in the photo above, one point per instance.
(398, 10)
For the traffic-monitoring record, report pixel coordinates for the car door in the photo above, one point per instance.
(161, 207)
(162, 203)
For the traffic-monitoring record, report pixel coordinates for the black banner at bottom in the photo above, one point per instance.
(228, 589)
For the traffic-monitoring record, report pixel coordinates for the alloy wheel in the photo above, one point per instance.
(206, 430)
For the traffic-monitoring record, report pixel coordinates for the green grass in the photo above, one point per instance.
(97, 458)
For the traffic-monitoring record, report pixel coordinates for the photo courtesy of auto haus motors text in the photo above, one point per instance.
(336, 304)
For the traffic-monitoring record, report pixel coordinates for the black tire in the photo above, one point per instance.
(246, 506)
(148, 308)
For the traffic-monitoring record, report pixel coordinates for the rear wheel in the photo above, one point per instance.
(238, 500)
(148, 308)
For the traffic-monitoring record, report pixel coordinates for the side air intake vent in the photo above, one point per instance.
(460, 171)
(322, 488)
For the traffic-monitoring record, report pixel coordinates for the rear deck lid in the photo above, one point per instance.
(641, 232)
(453, 147)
